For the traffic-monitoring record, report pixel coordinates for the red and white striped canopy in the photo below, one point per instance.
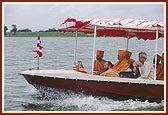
(142, 29)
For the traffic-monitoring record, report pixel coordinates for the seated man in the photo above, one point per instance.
(109, 71)
(123, 63)
(99, 63)
(160, 74)
(145, 67)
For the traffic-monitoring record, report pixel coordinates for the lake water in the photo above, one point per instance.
(58, 54)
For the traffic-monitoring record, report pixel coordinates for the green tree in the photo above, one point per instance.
(5, 29)
(51, 30)
(25, 30)
(14, 29)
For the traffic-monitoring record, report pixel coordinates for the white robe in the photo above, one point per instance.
(147, 71)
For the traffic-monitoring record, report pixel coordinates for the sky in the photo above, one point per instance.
(44, 16)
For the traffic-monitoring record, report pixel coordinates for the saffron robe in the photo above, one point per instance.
(122, 66)
(99, 66)
(160, 72)
(110, 73)
(158, 68)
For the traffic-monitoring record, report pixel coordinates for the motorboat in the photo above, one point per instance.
(96, 85)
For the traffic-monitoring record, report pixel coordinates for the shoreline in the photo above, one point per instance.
(46, 34)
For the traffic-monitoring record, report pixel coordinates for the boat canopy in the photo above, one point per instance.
(128, 28)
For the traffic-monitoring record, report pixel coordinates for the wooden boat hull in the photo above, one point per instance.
(110, 89)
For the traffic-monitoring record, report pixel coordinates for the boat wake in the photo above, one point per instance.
(63, 100)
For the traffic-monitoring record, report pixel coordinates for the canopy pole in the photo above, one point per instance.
(93, 55)
(156, 53)
(75, 46)
(127, 43)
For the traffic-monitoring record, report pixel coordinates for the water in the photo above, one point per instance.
(58, 54)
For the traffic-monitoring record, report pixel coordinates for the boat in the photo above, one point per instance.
(95, 85)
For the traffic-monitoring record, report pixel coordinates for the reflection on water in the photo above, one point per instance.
(58, 54)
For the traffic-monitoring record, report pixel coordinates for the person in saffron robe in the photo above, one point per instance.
(99, 63)
(160, 75)
(110, 72)
(158, 64)
(123, 63)
(128, 56)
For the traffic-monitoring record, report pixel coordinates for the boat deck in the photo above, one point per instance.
(71, 74)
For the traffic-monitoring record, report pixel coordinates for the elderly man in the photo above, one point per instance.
(145, 67)
(99, 63)
(123, 63)
(110, 72)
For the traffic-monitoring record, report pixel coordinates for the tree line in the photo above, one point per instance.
(14, 29)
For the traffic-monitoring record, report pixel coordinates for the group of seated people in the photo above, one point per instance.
(126, 67)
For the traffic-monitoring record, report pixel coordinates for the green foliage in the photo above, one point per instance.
(5, 29)
(14, 29)
(25, 30)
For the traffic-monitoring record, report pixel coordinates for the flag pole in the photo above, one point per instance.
(38, 52)
(38, 61)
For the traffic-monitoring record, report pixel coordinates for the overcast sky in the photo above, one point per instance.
(44, 16)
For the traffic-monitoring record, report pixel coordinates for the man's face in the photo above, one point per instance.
(99, 57)
(127, 57)
(106, 66)
(120, 58)
(141, 59)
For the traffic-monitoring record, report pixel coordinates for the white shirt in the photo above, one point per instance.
(147, 70)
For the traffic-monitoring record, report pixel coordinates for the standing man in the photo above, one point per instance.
(145, 67)
(99, 63)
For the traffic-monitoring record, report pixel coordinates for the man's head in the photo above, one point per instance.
(121, 55)
(99, 54)
(142, 57)
(77, 65)
(158, 59)
(107, 65)
(127, 54)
